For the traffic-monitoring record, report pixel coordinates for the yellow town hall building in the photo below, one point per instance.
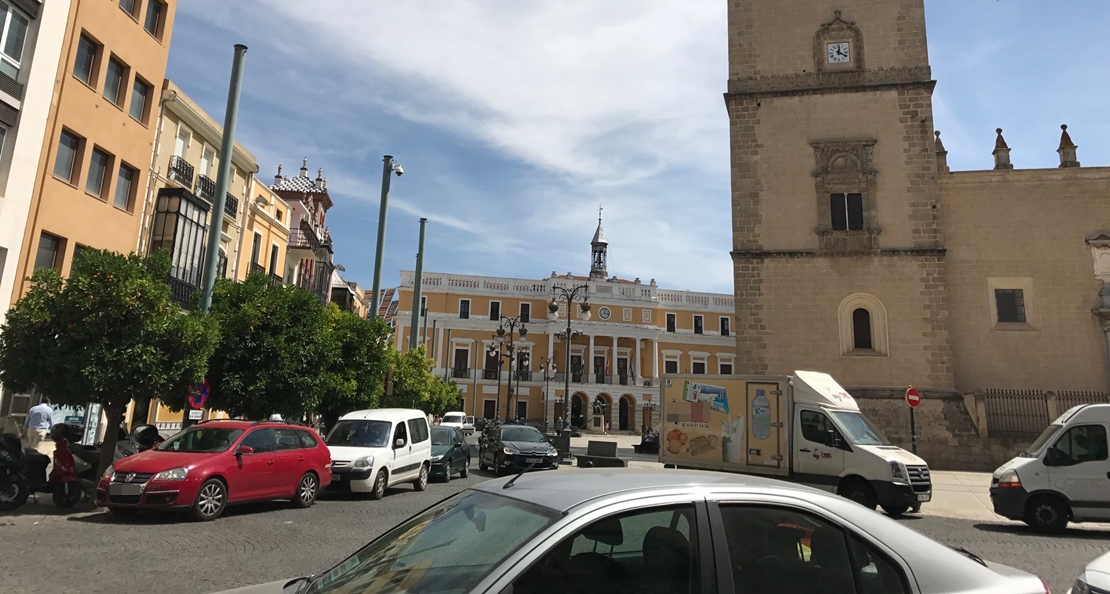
(635, 332)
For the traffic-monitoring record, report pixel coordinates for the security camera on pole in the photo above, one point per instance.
(388, 166)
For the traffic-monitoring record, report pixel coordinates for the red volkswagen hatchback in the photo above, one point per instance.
(216, 463)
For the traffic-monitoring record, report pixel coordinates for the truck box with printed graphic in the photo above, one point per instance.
(803, 428)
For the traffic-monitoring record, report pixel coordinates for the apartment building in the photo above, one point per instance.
(308, 263)
(266, 234)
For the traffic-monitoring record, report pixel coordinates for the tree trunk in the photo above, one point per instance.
(111, 437)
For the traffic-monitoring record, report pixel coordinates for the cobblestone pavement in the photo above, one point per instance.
(42, 550)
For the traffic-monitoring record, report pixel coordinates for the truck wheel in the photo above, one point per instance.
(895, 510)
(860, 492)
(1046, 514)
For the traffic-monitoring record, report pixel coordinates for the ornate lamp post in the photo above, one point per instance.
(548, 366)
(505, 350)
(571, 295)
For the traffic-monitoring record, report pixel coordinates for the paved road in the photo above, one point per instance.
(92, 552)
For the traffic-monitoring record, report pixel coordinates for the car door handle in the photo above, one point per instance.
(270, 462)
(300, 459)
(806, 450)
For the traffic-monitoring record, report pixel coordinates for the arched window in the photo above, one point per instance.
(863, 326)
(861, 329)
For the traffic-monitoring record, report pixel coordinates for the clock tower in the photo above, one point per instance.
(838, 252)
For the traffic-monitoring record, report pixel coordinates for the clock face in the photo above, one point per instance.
(839, 52)
(604, 313)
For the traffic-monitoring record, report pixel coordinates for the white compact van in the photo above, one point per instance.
(1064, 476)
(458, 420)
(378, 448)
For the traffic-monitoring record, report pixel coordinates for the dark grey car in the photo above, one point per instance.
(637, 530)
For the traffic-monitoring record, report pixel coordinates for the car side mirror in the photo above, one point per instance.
(832, 439)
(400, 443)
(244, 450)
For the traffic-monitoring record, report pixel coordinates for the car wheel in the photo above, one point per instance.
(895, 510)
(67, 495)
(307, 489)
(123, 513)
(13, 494)
(465, 472)
(379, 486)
(421, 482)
(1046, 514)
(860, 492)
(447, 470)
(211, 501)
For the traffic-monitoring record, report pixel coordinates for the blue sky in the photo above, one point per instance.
(515, 120)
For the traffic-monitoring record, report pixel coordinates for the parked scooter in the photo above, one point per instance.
(23, 472)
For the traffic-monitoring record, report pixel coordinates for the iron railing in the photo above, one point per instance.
(1028, 412)
(460, 373)
(181, 172)
(206, 187)
(231, 207)
(182, 291)
(299, 238)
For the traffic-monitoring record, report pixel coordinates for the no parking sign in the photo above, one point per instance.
(198, 395)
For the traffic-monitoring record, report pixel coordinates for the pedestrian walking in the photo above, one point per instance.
(559, 427)
(606, 427)
(38, 423)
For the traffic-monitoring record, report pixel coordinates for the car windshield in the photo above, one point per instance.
(1041, 441)
(201, 440)
(360, 434)
(450, 547)
(859, 429)
(452, 419)
(522, 433)
(441, 435)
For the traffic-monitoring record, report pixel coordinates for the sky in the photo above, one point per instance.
(514, 121)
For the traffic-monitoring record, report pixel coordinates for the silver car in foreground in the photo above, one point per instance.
(642, 531)
(1095, 578)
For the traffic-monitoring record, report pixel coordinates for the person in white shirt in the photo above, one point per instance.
(38, 423)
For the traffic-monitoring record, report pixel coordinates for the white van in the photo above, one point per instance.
(379, 448)
(458, 420)
(1064, 476)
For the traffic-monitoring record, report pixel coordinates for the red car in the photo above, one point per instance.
(216, 463)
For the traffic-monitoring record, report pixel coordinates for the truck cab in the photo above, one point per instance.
(1063, 476)
(838, 448)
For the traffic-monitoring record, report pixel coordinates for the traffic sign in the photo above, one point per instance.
(913, 397)
(198, 394)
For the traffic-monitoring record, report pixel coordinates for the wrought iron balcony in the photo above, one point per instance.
(181, 172)
(276, 281)
(206, 187)
(182, 291)
(460, 373)
(231, 207)
(302, 239)
(524, 375)
(490, 374)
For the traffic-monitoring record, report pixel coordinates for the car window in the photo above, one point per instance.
(262, 440)
(201, 440)
(418, 430)
(400, 433)
(774, 550)
(360, 433)
(442, 435)
(1082, 443)
(287, 439)
(652, 550)
(459, 437)
(307, 440)
(815, 426)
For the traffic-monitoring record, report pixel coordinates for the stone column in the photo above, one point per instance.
(639, 363)
(655, 358)
(588, 361)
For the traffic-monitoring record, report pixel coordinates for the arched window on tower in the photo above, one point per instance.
(861, 329)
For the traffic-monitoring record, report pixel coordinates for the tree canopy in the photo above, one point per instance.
(413, 385)
(109, 334)
(357, 364)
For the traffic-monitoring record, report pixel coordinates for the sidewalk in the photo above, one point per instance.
(962, 495)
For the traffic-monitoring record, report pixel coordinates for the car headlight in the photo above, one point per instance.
(1080, 587)
(436, 458)
(363, 463)
(1009, 479)
(509, 452)
(898, 471)
(111, 472)
(173, 474)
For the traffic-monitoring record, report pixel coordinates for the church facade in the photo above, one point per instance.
(858, 252)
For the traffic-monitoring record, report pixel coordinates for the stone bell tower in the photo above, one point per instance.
(599, 252)
(838, 249)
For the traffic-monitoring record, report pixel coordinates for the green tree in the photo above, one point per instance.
(273, 350)
(109, 334)
(413, 385)
(358, 360)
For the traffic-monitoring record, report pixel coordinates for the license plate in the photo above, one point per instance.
(124, 489)
(924, 497)
(533, 460)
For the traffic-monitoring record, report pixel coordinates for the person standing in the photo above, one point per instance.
(559, 427)
(38, 423)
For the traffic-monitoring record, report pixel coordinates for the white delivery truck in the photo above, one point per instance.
(804, 428)
(1064, 475)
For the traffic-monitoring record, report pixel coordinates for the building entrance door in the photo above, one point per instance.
(622, 414)
(577, 408)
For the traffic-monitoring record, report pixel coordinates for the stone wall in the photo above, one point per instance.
(947, 438)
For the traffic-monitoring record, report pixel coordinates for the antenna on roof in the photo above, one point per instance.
(513, 480)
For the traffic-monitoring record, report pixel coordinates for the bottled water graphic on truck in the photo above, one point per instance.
(802, 427)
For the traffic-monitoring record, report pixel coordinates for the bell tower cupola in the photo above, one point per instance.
(599, 248)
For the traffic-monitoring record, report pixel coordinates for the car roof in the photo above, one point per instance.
(384, 414)
(242, 424)
(455, 412)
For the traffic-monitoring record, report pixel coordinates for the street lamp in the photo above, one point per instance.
(505, 349)
(388, 166)
(548, 366)
(569, 296)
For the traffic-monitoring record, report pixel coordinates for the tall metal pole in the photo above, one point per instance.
(566, 371)
(414, 332)
(383, 208)
(219, 202)
(500, 364)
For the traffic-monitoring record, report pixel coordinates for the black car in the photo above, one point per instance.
(505, 448)
(450, 453)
